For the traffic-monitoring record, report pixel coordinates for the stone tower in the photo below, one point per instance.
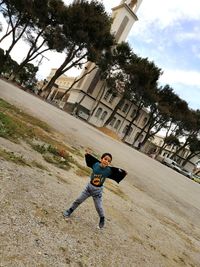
(124, 16)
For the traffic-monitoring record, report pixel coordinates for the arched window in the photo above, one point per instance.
(104, 115)
(112, 121)
(130, 131)
(107, 94)
(140, 138)
(112, 97)
(133, 113)
(121, 106)
(144, 121)
(125, 108)
(98, 113)
(126, 128)
(117, 124)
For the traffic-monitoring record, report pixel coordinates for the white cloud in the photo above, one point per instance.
(196, 50)
(184, 77)
(189, 35)
(167, 12)
(185, 83)
(162, 14)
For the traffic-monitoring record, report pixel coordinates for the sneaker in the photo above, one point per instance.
(67, 213)
(101, 222)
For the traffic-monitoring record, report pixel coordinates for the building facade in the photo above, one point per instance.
(63, 84)
(152, 148)
(89, 98)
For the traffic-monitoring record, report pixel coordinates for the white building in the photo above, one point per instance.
(153, 146)
(90, 99)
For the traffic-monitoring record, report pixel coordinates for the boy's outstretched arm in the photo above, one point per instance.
(117, 174)
(90, 160)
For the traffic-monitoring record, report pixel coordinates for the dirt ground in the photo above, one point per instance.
(34, 233)
(147, 223)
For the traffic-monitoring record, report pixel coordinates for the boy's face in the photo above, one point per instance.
(105, 161)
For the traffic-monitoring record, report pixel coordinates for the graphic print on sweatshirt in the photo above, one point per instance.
(99, 174)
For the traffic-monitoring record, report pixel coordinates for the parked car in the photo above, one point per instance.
(186, 173)
(172, 164)
(175, 166)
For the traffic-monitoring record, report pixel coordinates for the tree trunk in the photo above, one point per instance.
(114, 111)
(78, 105)
(150, 124)
(14, 41)
(13, 27)
(32, 54)
(51, 84)
(130, 124)
(76, 81)
(148, 135)
(179, 150)
(5, 35)
(65, 67)
(164, 144)
(142, 130)
(190, 156)
(99, 100)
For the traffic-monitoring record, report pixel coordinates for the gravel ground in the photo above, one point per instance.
(34, 233)
(152, 217)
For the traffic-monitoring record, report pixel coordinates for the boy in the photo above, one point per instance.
(101, 171)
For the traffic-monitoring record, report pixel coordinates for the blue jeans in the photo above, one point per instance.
(94, 192)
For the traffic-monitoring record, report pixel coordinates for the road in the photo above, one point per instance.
(159, 186)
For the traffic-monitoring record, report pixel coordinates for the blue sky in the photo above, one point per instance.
(167, 32)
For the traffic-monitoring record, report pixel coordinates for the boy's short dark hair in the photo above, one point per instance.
(106, 154)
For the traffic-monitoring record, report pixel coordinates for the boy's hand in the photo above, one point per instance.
(87, 151)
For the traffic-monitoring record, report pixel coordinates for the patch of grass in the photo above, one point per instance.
(76, 152)
(53, 155)
(10, 156)
(7, 127)
(53, 150)
(49, 159)
(16, 125)
(51, 140)
(57, 161)
(39, 148)
(57, 151)
(14, 129)
(5, 107)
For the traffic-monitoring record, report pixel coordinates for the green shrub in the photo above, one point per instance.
(52, 150)
(8, 128)
(39, 148)
(10, 156)
(57, 161)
